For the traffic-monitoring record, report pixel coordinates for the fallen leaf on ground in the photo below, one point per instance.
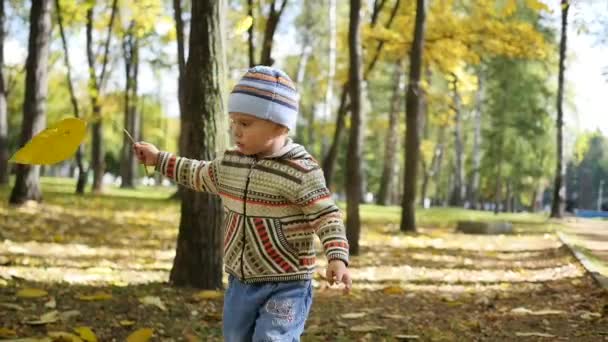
(150, 300)
(353, 315)
(66, 315)
(141, 335)
(6, 332)
(407, 337)
(393, 316)
(367, 328)
(524, 311)
(31, 293)
(49, 317)
(11, 306)
(393, 290)
(208, 294)
(86, 334)
(589, 316)
(51, 304)
(64, 336)
(95, 296)
(126, 323)
(535, 334)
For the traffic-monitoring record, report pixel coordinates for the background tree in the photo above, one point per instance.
(97, 80)
(556, 205)
(412, 112)
(4, 171)
(198, 259)
(353, 177)
(27, 184)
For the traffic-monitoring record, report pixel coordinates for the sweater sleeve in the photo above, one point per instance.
(324, 215)
(197, 175)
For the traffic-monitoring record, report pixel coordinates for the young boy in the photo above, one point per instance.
(275, 200)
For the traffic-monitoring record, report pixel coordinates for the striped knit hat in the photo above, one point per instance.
(266, 93)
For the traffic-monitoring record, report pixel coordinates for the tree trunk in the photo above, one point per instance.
(353, 175)
(331, 60)
(412, 109)
(329, 162)
(392, 139)
(473, 195)
(435, 167)
(250, 34)
(332, 154)
(458, 192)
(27, 183)
(128, 165)
(556, 205)
(198, 259)
(82, 172)
(4, 171)
(300, 75)
(271, 26)
(95, 86)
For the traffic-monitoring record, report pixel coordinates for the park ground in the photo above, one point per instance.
(75, 265)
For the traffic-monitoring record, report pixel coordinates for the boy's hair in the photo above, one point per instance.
(266, 93)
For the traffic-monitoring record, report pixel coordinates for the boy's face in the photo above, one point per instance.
(256, 136)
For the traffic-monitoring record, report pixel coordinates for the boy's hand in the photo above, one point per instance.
(338, 273)
(146, 153)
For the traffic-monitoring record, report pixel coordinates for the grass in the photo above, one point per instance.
(60, 191)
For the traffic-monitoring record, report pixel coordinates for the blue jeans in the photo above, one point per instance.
(267, 311)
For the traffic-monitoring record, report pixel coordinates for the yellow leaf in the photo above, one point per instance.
(95, 296)
(126, 323)
(6, 332)
(243, 25)
(141, 335)
(396, 290)
(31, 293)
(209, 294)
(53, 144)
(86, 333)
(64, 336)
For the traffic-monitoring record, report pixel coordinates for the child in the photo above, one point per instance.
(275, 200)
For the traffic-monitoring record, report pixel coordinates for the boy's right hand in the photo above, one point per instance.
(146, 153)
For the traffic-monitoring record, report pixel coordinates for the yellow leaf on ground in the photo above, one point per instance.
(64, 336)
(151, 300)
(126, 323)
(209, 294)
(95, 296)
(54, 144)
(395, 290)
(6, 332)
(31, 293)
(86, 334)
(141, 335)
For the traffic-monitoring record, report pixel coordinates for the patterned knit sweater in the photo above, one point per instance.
(273, 207)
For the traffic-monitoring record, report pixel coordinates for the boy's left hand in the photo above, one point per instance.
(338, 273)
